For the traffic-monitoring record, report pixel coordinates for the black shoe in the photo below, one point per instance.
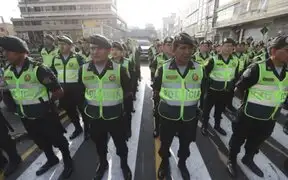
(49, 164)
(164, 170)
(86, 136)
(12, 166)
(204, 131)
(68, 168)
(127, 174)
(101, 169)
(286, 165)
(76, 133)
(231, 110)
(248, 161)
(220, 130)
(156, 133)
(183, 169)
(231, 167)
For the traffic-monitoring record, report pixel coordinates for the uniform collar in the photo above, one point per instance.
(270, 67)
(108, 66)
(220, 57)
(201, 55)
(173, 64)
(70, 56)
(25, 65)
(236, 54)
(52, 49)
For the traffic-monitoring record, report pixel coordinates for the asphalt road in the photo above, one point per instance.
(207, 160)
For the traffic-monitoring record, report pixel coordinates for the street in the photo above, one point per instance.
(207, 160)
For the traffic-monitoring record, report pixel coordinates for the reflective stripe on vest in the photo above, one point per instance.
(106, 91)
(67, 73)
(48, 57)
(26, 90)
(178, 91)
(223, 73)
(269, 92)
(199, 58)
(242, 61)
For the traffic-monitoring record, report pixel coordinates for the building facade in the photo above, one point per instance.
(243, 18)
(75, 18)
(168, 25)
(196, 17)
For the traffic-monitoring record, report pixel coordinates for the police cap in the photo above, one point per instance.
(117, 45)
(168, 40)
(280, 42)
(50, 37)
(99, 40)
(14, 44)
(228, 40)
(184, 38)
(204, 42)
(65, 39)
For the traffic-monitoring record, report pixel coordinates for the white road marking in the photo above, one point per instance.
(271, 172)
(115, 172)
(55, 172)
(195, 163)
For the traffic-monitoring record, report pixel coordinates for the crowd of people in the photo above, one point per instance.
(97, 82)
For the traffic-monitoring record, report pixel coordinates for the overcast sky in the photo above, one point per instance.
(134, 12)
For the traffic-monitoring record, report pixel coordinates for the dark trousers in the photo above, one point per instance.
(186, 133)
(3, 162)
(217, 98)
(7, 144)
(254, 131)
(46, 133)
(156, 115)
(99, 134)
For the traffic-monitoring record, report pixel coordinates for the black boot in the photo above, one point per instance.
(220, 130)
(68, 167)
(13, 165)
(164, 169)
(127, 174)
(101, 169)
(204, 131)
(286, 165)
(49, 164)
(248, 161)
(183, 169)
(78, 130)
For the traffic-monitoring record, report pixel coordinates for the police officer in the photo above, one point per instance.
(105, 86)
(178, 86)
(243, 62)
(66, 65)
(221, 70)
(264, 86)
(29, 84)
(203, 55)
(117, 53)
(6, 143)
(49, 50)
(85, 50)
(159, 60)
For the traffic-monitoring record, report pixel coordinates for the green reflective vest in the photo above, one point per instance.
(27, 91)
(266, 98)
(160, 60)
(222, 74)
(200, 60)
(84, 56)
(48, 57)
(67, 72)
(243, 59)
(179, 96)
(104, 96)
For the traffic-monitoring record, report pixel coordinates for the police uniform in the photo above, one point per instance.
(178, 107)
(29, 88)
(85, 53)
(221, 75)
(103, 96)
(265, 91)
(128, 101)
(48, 54)
(202, 58)
(158, 62)
(67, 75)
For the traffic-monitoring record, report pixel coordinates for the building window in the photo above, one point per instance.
(225, 14)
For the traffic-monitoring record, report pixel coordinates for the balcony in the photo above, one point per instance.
(26, 28)
(66, 13)
(34, 3)
(274, 8)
